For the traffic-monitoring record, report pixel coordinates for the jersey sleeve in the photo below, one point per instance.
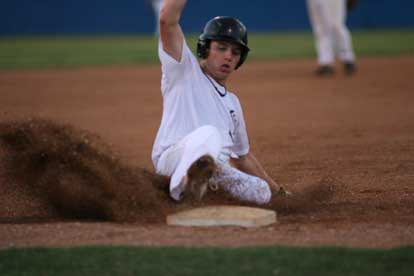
(241, 140)
(173, 70)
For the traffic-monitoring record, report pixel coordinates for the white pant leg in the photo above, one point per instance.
(320, 20)
(241, 185)
(341, 36)
(177, 159)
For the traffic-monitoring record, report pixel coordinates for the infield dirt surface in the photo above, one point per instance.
(343, 145)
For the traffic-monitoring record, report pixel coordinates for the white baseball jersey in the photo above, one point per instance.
(192, 99)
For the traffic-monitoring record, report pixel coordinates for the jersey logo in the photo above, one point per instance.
(234, 117)
(235, 123)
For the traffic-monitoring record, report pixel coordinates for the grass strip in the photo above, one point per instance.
(64, 51)
(206, 261)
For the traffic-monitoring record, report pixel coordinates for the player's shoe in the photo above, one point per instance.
(349, 68)
(198, 176)
(324, 71)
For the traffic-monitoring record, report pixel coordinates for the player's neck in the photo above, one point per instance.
(222, 82)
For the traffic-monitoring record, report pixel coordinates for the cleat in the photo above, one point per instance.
(324, 71)
(349, 68)
(198, 176)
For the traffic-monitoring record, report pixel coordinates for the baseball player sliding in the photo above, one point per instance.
(331, 34)
(202, 142)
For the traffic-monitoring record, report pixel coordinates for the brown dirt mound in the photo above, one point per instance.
(73, 174)
(56, 171)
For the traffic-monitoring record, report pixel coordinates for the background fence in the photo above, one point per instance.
(43, 17)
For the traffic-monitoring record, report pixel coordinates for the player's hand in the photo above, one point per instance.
(279, 190)
(283, 192)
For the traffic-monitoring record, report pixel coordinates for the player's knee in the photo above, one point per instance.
(210, 137)
(209, 132)
(265, 194)
(338, 28)
(205, 140)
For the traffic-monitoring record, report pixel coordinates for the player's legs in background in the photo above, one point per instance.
(177, 159)
(341, 34)
(241, 185)
(319, 19)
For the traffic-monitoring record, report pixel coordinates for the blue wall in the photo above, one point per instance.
(135, 16)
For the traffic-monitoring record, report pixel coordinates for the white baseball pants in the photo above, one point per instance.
(332, 38)
(177, 159)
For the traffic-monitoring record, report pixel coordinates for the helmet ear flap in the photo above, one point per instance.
(243, 57)
(202, 48)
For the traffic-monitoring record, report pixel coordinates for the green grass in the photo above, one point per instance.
(75, 51)
(61, 52)
(206, 261)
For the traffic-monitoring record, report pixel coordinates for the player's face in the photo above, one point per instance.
(222, 59)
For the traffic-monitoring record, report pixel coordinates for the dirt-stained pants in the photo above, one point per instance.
(177, 159)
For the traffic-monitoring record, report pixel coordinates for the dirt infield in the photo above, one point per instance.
(343, 145)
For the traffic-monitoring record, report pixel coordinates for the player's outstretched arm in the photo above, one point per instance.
(249, 164)
(170, 31)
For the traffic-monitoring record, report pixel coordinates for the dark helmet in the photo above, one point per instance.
(223, 28)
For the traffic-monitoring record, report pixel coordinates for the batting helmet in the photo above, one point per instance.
(223, 28)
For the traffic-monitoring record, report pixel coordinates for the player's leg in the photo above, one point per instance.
(343, 41)
(319, 18)
(241, 185)
(188, 158)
